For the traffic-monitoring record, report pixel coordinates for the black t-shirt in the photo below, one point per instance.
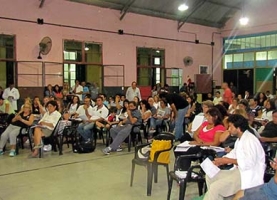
(35, 109)
(177, 100)
(270, 130)
(19, 123)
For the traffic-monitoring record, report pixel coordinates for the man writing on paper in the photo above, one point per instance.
(248, 158)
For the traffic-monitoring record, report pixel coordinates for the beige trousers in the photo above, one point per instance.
(224, 185)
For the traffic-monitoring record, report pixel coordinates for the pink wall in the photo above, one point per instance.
(262, 18)
(117, 49)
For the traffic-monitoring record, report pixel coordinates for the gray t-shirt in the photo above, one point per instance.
(135, 113)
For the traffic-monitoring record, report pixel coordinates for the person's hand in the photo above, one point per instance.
(228, 149)
(263, 139)
(220, 161)
(274, 164)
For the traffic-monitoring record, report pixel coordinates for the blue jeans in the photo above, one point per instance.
(179, 130)
(85, 130)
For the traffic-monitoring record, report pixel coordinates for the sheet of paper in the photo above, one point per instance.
(216, 149)
(181, 149)
(209, 168)
(185, 144)
(197, 121)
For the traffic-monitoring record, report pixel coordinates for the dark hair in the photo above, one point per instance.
(274, 111)
(222, 110)
(132, 102)
(124, 109)
(217, 92)
(244, 102)
(239, 122)
(217, 117)
(113, 109)
(53, 103)
(59, 89)
(163, 94)
(164, 100)
(272, 105)
(225, 104)
(71, 102)
(147, 105)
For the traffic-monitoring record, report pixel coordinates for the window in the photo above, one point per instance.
(82, 61)
(150, 65)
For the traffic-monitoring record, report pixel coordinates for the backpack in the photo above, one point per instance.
(84, 147)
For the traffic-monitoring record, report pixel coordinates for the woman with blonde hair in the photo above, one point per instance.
(22, 119)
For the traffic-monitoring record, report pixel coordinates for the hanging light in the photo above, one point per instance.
(243, 21)
(183, 7)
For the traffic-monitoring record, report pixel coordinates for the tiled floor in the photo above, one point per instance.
(79, 176)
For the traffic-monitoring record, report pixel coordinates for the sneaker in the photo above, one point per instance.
(107, 150)
(152, 131)
(119, 149)
(47, 147)
(12, 153)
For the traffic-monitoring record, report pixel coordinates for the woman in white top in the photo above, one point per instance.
(73, 105)
(46, 125)
(267, 112)
(145, 110)
(233, 106)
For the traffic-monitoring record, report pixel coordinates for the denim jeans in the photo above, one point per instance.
(254, 194)
(85, 130)
(179, 130)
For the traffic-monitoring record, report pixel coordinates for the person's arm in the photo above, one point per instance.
(224, 136)
(274, 166)
(132, 119)
(79, 90)
(5, 94)
(7, 107)
(196, 135)
(139, 95)
(225, 161)
(16, 94)
(266, 139)
(174, 110)
(28, 122)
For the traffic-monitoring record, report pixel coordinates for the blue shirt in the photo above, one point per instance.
(270, 189)
(85, 90)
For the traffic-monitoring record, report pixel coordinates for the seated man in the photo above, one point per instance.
(269, 134)
(248, 157)
(97, 113)
(267, 191)
(121, 132)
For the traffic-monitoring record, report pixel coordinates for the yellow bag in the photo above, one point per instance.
(158, 145)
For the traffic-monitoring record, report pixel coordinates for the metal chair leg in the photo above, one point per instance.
(170, 182)
(132, 174)
(149, 178)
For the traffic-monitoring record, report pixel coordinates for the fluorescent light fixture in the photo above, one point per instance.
(183, 7)
(86, 48)
(157, 51)
(243, 21)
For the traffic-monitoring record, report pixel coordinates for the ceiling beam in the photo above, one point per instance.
(224, 5)
(126, 8)
(184, 20)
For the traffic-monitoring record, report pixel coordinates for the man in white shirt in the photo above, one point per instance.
(77, 89)
(248, 158)
(12, 95)
(217, 98)
(132, 92)
(90, 116)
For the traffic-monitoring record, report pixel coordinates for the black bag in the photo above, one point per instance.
(84, 147)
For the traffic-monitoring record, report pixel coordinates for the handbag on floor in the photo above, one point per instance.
(84, 147)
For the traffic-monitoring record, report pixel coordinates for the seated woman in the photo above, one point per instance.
(47, 125)
(122, 114)
(49, 91)
(207, 134)
(73, 105)
(163, 114)
(23, 119)
(145, 110)
(57, 92)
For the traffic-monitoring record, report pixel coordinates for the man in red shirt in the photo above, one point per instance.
(227, 95)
